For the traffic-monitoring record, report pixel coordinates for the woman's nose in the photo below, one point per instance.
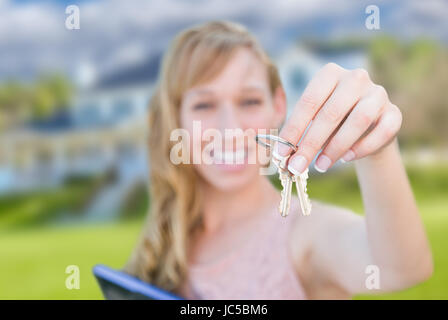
(231, 127)
(228, 117)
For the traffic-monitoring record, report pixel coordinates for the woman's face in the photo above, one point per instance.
(237, 100)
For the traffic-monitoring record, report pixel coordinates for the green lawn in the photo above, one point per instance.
(33, 260)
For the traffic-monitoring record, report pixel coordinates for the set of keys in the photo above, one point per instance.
(287, 178)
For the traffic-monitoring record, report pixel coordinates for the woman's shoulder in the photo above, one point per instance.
(322, 216)
(324, 207)
(322, 210)
(325, 221)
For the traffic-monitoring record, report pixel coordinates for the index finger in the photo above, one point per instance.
(314, 96)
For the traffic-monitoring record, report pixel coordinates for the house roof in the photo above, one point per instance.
(143, 73)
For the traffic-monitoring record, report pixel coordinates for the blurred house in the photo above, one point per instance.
(105, 128)
(117, 98)
(300, 62)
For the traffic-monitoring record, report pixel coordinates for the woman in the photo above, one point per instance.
(214, 232)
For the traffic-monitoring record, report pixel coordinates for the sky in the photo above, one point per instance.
(116, 33)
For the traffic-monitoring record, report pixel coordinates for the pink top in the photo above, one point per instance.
(261, 268)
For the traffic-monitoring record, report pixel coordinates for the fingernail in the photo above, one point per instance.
(282, 149)
(297, 165)
(322, 163)
(348, 156)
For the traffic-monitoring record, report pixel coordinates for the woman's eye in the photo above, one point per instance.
(203, 106)
(251, 102)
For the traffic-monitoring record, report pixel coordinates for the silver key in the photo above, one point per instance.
(286, 179)
(285, 203)
(305, 203)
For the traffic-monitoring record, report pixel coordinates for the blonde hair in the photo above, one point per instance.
(196, 55)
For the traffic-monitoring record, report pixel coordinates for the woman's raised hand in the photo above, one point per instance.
(351, 116)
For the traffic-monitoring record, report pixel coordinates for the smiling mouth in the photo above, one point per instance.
(237, 157)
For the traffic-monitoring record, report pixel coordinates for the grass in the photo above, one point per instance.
(33, 260)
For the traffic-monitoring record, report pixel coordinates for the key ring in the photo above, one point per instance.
(275, 138)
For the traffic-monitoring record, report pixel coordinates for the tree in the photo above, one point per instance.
(416, 76)
(21, 102)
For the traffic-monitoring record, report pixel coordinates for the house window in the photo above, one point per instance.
(122, 109)
(297, 79)
(89, 114)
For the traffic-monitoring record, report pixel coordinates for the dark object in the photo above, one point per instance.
(117, 285)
